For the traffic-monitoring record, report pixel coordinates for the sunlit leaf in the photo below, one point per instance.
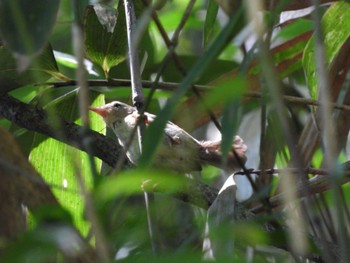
(336, 30)
(105, 35)
(294, 29)
(58, 162)
(70, 61)
(25, 26)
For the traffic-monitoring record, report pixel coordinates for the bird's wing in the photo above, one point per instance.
(174, 135)
(179, 150)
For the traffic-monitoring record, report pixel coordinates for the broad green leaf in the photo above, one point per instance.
(25, 26)
(336, 30)
(105, 35)
(57, 162)
(42, 68)
(210, 19)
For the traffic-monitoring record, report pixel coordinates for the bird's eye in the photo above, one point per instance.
(117, 105)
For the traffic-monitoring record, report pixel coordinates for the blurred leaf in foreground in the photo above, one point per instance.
(25, 27)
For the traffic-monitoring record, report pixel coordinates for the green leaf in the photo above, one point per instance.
(295, 29)
(105, 35)
(216, 69)
(225, 92)
(25, 26)
(210, 19)
(230, 122)
(287, 58)
(68, 61)
(229, 94)
(58, 162)
(135, 182)
(336, 30)
(41, 69)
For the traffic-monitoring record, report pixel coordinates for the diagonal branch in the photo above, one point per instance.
(37, 120)
(105, 148)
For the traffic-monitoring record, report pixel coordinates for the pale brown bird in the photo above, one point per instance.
(179, 151)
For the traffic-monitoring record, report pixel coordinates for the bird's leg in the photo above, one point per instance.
(136, 116)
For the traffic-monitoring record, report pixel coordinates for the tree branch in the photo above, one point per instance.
(37, 120)
(105, 148)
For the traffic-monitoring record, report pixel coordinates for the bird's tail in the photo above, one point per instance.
(210, 153)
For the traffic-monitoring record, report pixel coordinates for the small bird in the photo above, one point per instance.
(179, 151)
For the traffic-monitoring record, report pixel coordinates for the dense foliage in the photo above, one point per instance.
(273, 72)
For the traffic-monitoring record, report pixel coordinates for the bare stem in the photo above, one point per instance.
(135, 71)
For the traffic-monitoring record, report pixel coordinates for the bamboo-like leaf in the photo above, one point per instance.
(105, 35)
(286, 56)
(217, 68)
(209, 25)
(336, 30)
(229, 93)
(294, 29)
(57, 162)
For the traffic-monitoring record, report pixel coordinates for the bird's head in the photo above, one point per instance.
(113, 112)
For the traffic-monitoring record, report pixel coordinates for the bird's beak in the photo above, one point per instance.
(100, 111)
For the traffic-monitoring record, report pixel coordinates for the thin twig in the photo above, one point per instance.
(317, 184)
(171, 86)
(135, 70)
(137, 97)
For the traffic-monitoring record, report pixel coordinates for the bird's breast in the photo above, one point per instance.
(123, 130)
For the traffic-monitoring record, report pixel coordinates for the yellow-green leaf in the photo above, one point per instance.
(58, 162)
(336, 30)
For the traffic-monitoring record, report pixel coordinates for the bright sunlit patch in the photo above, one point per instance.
(65, 183)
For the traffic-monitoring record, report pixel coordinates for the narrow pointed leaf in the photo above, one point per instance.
(336, 30)
(209, 24)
